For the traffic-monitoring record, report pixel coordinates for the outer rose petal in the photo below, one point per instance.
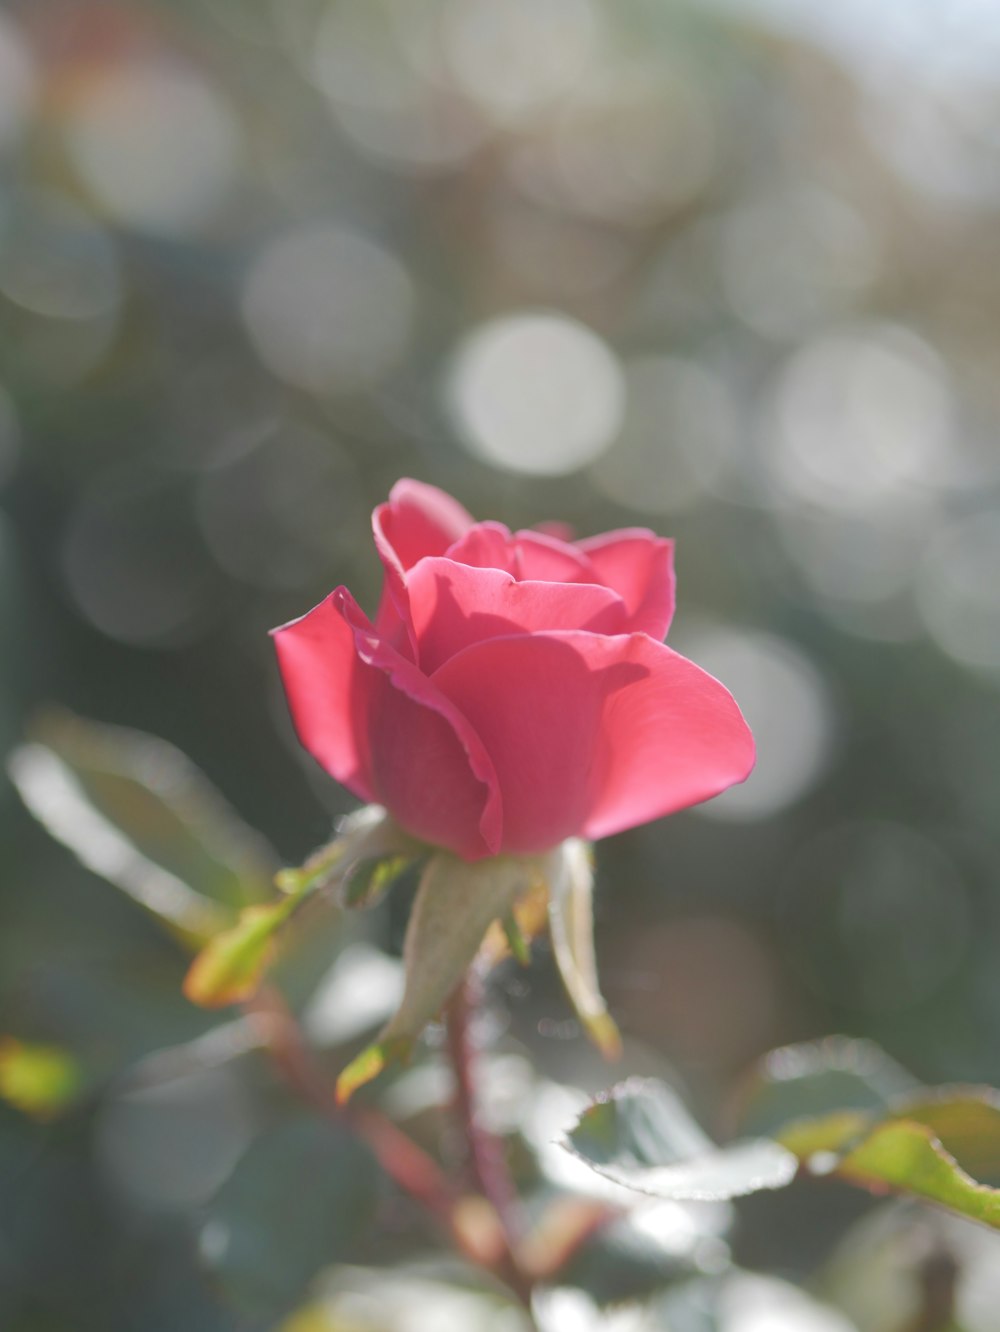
(379, 726)
(417, 520)
(593, 735)
(640, 567)
(453, 606)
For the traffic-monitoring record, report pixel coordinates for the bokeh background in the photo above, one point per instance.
(727, 270)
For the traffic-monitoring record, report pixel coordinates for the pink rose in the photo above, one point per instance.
(513, 690)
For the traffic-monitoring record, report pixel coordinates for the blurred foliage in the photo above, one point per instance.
(724, 269)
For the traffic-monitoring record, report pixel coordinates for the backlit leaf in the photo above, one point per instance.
(640, 1135)
(133, 809)
(906, 1157)
(819, 1078)
(300, 1198)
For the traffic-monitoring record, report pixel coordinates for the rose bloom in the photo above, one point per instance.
(514, 689)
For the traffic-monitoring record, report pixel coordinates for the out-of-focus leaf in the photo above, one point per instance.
(904, 1156)
(454, 907)
(565, 1224)
(41, 1080)
(359, 992)
(829, 1133)
(569, 872)
(966, 1121)
(940, 1145)
(300, 1198)
(430, 1294)
(133, 809)
(635, 1257)
(691, 1306)
(371, 879)
(820, 1078)
(369, 846)
(747, 1302)
(230, 967)
(313, 1318)
(641, 1136)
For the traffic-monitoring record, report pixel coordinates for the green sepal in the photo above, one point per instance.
(371, 879)
(516, 942)
(366, 1066)
(569, 872)
(455, 905)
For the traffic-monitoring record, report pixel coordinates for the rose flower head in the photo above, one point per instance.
(514, 689)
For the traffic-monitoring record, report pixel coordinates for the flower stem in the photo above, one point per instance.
(486, 1154)
(400, 1157)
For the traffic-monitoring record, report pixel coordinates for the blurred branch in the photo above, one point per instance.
(487, 1160)
(479, 1238)
(937, 1276)
(406, 1163)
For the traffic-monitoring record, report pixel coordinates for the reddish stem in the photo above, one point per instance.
(487, 1158)
(408, 1165)
(400, 1157)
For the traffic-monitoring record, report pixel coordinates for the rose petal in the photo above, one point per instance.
(640, 567)
(593, 735)
(527, 555)
(379, 726)
(453, 606)
(416, 520)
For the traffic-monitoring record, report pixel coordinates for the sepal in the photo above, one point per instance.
(569, 872)
(455, 906)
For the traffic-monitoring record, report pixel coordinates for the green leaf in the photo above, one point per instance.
(230, 967)
(640, 1135)
(966, 1121)
(301, 1197)
(906, 1157)
(40, 1080)
(830, 1133)
(455, 905)
(629, 1261)
(569, 872)
(818, 1078)
(940, 1145)
(133, 809)
(370, 879)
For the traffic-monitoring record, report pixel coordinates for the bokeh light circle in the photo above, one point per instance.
(516, 57)
(327, 309)
(678, 434)
(56, 261)
(958, 591)
(876, 915)
(536, 393)
(157, 145)
(788, 706)
(280, 514)
(133, 562)
(17, 81)
(859, 417)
